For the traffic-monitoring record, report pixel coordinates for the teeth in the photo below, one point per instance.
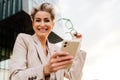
(39, 28)
(46, 29)
(43, 30)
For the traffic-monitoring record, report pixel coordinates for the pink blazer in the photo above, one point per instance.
(28, 59)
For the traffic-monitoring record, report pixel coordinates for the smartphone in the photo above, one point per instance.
(72, 47)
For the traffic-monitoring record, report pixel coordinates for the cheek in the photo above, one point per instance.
(33, 26)
(52, 25)
(32, 23)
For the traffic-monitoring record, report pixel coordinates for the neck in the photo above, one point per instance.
(43, 41)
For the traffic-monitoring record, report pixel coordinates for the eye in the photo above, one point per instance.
(47, 20)
(38, 20)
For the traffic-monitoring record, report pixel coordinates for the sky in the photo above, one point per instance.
(98, 22)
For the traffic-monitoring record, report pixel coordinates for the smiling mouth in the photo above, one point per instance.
(43, 30)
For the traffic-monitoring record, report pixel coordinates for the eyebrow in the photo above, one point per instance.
(40, 18)
(37, 18)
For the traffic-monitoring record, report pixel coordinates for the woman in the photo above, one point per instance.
(35, 58)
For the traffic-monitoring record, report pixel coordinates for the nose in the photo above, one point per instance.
(42, 23)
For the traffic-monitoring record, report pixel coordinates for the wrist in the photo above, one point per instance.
(46, 70)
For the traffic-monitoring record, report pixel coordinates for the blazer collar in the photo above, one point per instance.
(51, 49)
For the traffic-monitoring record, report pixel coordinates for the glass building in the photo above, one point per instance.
(14, 19)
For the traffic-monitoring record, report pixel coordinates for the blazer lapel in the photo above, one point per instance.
(39, 49)
(52, 49)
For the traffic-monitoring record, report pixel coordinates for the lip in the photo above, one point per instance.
(43, 30)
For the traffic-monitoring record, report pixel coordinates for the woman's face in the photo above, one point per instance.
(42, 24)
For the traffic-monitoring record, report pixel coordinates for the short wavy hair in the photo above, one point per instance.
(44, 7)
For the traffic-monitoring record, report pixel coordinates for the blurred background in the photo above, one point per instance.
(99, 23)
(96, 20)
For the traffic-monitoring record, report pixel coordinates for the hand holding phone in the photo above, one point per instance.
(72, 47)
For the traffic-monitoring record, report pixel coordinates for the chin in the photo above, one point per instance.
(42, 34)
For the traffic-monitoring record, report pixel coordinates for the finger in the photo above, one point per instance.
(77, 35)
(58, 68)
(61, 59)
(58, 54)
(60, 65)
(64, 58)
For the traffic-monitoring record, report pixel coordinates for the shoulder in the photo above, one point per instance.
(22, 35)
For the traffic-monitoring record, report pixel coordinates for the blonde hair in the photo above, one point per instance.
(44, 7)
